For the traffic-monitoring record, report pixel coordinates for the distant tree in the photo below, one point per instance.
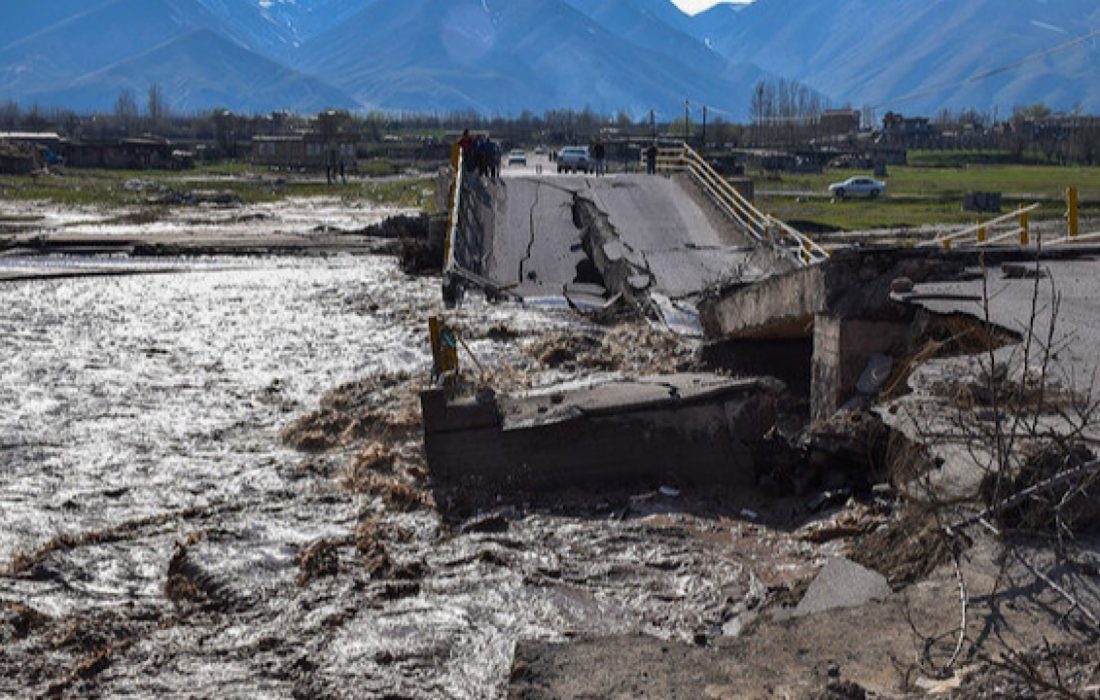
(1030, 113)
(156, 108)
(10, 115)
(784, 111)
(868, 117)
(126, 111)
(374, 126)
(34, 120)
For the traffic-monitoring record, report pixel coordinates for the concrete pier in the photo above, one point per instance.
(687, 429)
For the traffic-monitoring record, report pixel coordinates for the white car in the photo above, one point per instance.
(858, 187)
(517, 157)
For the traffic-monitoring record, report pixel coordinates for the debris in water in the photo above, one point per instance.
(318, 560)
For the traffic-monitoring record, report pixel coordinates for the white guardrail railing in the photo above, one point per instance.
(763, 228)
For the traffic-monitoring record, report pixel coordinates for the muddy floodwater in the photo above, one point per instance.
(140, 421)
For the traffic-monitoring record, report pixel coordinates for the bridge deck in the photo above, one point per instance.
(665, 232)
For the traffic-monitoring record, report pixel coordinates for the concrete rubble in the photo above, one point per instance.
(842, 584)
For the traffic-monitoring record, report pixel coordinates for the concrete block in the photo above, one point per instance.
(691, 429)
(842, 584)
(443, 415)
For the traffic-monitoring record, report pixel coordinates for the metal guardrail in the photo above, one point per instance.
(452, 271)
(989, 232)
(455, 212)
(804, 251)
(763, 228)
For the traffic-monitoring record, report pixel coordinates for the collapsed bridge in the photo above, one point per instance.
(587, 241)
(692, 252)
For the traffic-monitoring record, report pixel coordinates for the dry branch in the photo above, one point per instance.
(1033, 490)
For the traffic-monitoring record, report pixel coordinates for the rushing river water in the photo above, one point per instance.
(142, 411)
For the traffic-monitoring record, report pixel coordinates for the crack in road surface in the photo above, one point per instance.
(531, 229)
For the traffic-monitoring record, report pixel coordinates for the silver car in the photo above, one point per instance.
(858, 187)
(574, 159)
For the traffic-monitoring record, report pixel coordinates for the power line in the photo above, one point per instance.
(989, 74)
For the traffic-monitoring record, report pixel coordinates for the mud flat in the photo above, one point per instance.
(295, 227)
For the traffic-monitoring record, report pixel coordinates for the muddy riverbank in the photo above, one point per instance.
(162, 536)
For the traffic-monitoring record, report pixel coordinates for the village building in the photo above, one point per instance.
(125, 154)
(17, 158)
(909, 132)
(308, 150)
(22, 152)
(839, 122)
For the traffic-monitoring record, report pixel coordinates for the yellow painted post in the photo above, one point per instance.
(1025, 230)
(981, 233)
(1072, 212)
(455, 151)
(947, 244)
(444, 351)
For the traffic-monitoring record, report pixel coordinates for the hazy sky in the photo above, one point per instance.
(693, 6)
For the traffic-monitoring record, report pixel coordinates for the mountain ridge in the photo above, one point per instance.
(503, 57)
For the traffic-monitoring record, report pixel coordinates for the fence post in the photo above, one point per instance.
(1025, 230)
(981, 233)
(1072, 212)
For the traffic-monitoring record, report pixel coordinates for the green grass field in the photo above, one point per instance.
(928, 195)
(107, 187)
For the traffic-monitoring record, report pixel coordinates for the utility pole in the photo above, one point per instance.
(687, 117)
(653, 124)
(703, 140)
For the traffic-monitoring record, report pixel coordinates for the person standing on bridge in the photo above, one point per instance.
(651, 159)
(466, 143)
(483, 154)
(599, 155)
(494, 159)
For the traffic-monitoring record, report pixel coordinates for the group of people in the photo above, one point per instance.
(480, 154)
(598, 152)
(483, 155)
(335, 168)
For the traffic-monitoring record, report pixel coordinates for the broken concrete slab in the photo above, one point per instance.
(842, 584)
(1067, 295)
(1066, 298)
(688, 429)
(846, 305)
